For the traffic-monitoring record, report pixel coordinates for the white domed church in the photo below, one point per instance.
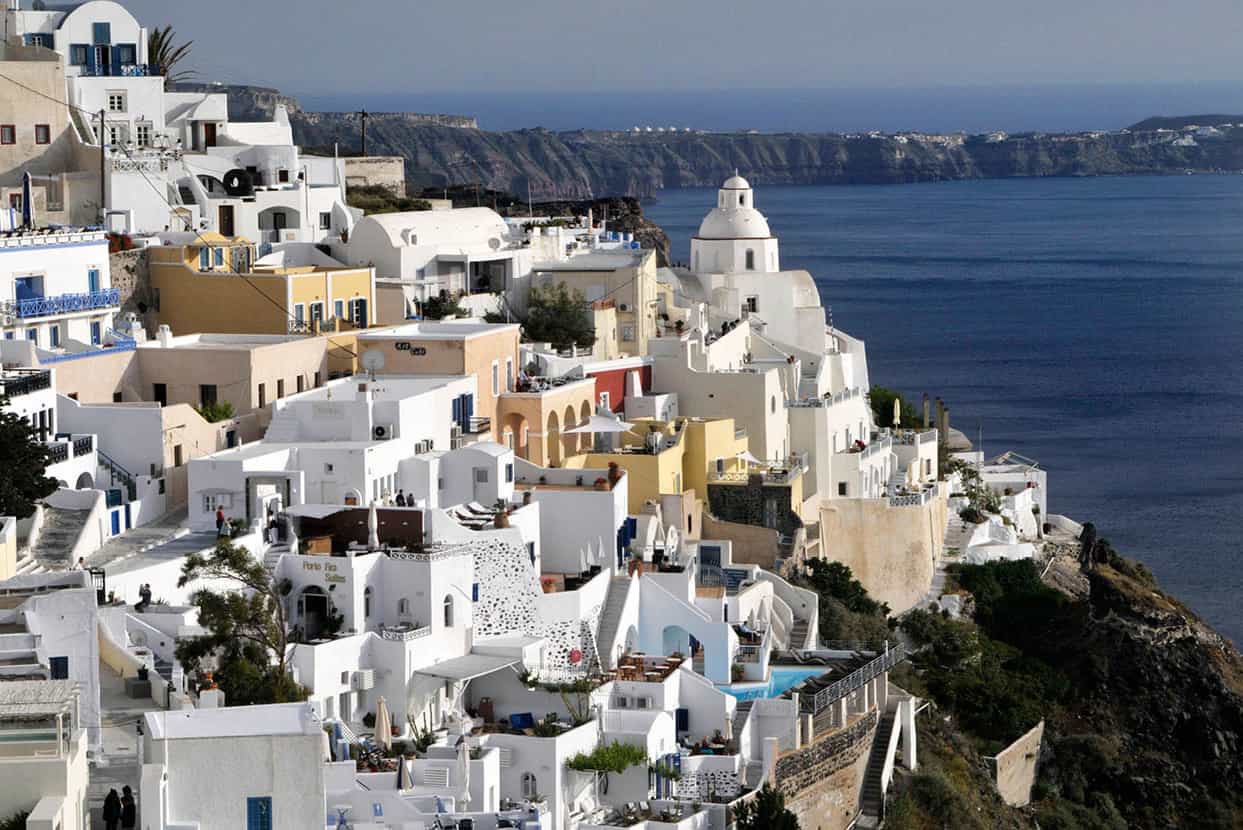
(734, 236)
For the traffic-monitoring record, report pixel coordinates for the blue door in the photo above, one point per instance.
(116, 522)
(92, 280)
(259, 813)
(96, 334)
(128, 522)
(59, 667)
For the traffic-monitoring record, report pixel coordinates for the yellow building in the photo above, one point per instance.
(670, 457)
(214, 283)
(625, 276)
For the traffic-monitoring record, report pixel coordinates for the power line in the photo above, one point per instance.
(173, 208)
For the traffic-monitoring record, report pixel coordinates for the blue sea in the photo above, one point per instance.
(1095, 325)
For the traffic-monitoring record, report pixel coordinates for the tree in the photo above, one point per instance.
(767, 811)
(246, 630)
(164, 54)
(882, 399)
(24, 460)
(438, 308)
(557, 315)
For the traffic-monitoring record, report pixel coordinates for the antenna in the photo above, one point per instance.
(373, 361)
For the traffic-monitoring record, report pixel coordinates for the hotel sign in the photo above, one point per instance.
(406, 346)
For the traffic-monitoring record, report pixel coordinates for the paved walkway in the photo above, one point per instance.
(117, 762)
(139, 539)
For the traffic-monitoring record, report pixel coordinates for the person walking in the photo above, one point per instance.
(112, 810)
(401, 498)
(129, 810)
(219, 521)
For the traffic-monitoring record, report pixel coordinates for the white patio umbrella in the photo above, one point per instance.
(601, 425)
(746, 456)
(373, 528)
(404, 781)
(463, 759)
(383, 725)
(897, 412)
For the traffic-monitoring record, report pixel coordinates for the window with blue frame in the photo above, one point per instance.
(39, 39)
(338, 309)
(8, 335)
(204, 259)
(79, 54)
(96, 334)
(54, 333)
(219, 252)
(101, 33)
(128, 54)
(59, 667)
(33, 336)
(27, 288)
(92, 280)
(259, 813)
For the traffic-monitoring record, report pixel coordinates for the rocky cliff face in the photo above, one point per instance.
(588, 164)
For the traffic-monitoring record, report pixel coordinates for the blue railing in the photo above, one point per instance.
(129, 70)
(66, 303)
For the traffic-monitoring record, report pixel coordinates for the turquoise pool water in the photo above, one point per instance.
(779, 680)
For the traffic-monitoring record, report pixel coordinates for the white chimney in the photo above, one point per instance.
(165, 336)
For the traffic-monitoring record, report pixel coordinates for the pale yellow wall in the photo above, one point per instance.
(24, 103)
(650, 476)
(481, 351)
(8, 547)
(634, 287)
(534, 411)
(706, 441)
(893, 551)
(329, 286)
(192, 302)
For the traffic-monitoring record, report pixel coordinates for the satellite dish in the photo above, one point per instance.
(373, 361)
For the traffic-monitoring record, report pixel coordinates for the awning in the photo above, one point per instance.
(316, 511)
(468, 667)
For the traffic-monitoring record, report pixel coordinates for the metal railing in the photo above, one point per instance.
(823, 699)
(401, 633)
(83, 445)
(118, 473)
(913, 438)
(914, 499)
(749, 654)
(65, 303)
(24, 382)
(120, 343)
(57, 453)
(128, 70)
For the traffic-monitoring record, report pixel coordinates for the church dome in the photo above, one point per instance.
(734, 223)
(736, 182)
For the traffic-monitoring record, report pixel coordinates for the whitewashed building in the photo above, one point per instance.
(43, 763)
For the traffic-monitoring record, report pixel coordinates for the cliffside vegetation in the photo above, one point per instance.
(24, 461)
(378, 199)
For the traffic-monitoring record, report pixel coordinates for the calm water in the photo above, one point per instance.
(779, 680)
(1095, 325)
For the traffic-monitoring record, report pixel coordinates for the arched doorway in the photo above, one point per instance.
(85, 482)
(552, 439)
(569, 440)
(516, 425)
(311, 614)
(588, 439)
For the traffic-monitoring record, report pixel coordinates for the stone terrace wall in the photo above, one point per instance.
(822, 782)
(1015, 767)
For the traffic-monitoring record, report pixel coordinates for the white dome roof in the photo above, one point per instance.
(736, 182)
(734, 223)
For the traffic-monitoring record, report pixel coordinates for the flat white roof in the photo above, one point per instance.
(383, 388)
(233, 722)
(468, 667)
(231, 342)
(435, 330)
(607, 260)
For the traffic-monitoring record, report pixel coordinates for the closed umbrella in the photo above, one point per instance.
(463, 759)
(373, 528)
(404, 781)
(747, 457)
(897, 412)
(383, 725)
(326, 749)
(28, 202)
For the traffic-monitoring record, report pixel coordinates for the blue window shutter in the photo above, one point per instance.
(101, 33)
(683, 718)
(457, 410)
(259, 813)
(92, 280)
(96, 339)
(204, 259)
(469, 406)
(116, 59)
(474, 592)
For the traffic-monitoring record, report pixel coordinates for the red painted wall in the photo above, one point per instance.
(613, 381)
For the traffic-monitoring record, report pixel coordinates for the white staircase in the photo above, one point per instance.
(283, 429)
(60, 532)
(272, 556)
(610, 618)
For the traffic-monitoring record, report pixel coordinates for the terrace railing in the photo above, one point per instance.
(823, 699)
(32, 307)
(24, 382)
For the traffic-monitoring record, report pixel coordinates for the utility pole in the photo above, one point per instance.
(103, 177)
(363, 115)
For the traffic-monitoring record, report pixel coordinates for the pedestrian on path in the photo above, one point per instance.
(129, 810)
(112, 810)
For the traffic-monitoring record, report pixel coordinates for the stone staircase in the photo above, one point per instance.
(740, 716)
(61, 529)
(798, 634)
(872, 797)
(610, 617)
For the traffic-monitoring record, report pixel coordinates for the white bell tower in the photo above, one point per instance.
(734, 236)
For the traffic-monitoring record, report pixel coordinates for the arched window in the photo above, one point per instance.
(403, 607)
(529, 787)
(742, 200)
(773, 405)
(448, 611)
(750, 259)
(367, 603)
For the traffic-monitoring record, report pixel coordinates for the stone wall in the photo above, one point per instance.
(376, 171)
(821, 782)
(893, 551)
(1015, 767)
(752, 545)
(750, 503)
(131, 276)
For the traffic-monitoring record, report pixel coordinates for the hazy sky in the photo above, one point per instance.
(329, 46)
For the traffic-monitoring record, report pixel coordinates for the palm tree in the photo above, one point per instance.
(164, 55)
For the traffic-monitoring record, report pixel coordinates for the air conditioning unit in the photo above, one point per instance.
(363, 680)
(382, 432)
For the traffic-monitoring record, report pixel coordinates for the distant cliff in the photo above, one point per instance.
(586, 164)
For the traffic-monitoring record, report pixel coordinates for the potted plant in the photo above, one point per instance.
(500, 513)
(526, 497)
(602, 483)
(737, 672)
(614, 473)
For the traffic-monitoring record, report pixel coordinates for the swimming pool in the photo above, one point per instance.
(779, 680)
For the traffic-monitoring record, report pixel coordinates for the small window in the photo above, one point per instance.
(448, 610)
(773, 404)
(301, 383)
(77, 54)
(403, 606)
(263, 395)
(282, 176)
(204, 259)
(496, 378)
(338, 310)
(8, 134)
(318, 380)
(54, 335)
(841, 488)
(219, 256)
(116, 101)
(367, 602)
(101, 34)
(299, 312)
(325, 221)
(142, 134)
(128, 54)
(509, 472)
(32, 334)
(43, 134)
(207, 395)
(280, 388)
(530, 788)
(178, 459)
(750, 260)
(328, 468)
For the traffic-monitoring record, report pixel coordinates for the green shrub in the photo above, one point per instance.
(215, 412)
(17, 821)
(615, 757)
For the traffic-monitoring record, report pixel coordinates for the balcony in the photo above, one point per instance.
(477, 424)
(771, 472)
(57, 453)
(83, 445)
(24, 382)
(32, 307)
(404, 632)
(129, 70)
